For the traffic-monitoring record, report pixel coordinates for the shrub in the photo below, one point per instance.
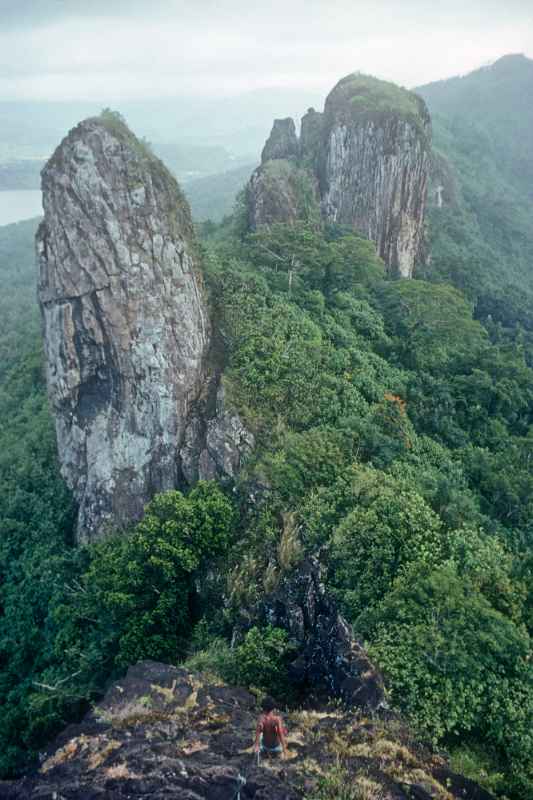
(456, 665)
(259, 662)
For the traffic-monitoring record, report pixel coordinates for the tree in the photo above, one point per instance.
(389, 529)
(456, 665)
(432, 324)
(134, 601)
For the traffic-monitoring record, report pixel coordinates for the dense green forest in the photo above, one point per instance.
(394, 430)
(212, 198)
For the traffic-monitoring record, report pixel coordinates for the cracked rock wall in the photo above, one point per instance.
(367, 162)
(375, 180)
(125, 326)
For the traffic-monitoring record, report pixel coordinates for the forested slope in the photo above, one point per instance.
(393, 422)
(482, 237)
(213, 197)
(499, 98)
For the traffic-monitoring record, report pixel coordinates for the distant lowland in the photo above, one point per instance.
(20, 174)
(211, 177)
(210, 147)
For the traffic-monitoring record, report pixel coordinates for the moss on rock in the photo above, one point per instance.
(359, 94)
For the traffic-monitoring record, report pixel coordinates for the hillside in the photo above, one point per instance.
(498, 99)
(392, 446)
(482, 238)
(20, 174)
(19, 319)
(214, 197)
(391, 423)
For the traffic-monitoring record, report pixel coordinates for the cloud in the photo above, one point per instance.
(133, 49)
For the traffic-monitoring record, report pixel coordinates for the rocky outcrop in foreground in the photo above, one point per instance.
(363, 163)
(163, 732)
(126, 329)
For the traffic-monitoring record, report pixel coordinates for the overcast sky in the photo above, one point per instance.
(133, 49)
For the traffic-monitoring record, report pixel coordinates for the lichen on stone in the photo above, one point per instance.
(126, 327)
(363, 94)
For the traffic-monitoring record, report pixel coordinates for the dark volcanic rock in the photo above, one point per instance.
(164, 732)
(459, 785)
(329, 657)
(282, 142)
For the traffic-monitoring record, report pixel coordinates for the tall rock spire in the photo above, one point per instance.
(125, 325)
(367, 162)
(374, 166)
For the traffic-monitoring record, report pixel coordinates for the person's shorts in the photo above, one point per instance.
(264, 749)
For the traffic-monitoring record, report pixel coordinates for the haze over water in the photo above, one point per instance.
(20, 204)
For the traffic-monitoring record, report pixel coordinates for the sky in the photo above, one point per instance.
(108, 50)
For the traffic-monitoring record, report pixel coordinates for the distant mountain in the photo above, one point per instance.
(238, 123)
(213, 197)
(482, 237)
(20, 174)
(191, 162)
(187, 162)
(500, 99)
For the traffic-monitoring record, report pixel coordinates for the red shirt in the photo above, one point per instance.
(271, 727)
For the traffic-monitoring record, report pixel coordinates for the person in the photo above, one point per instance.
(270, 733)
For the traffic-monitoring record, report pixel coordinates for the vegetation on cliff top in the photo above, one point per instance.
(363, 94)
(143, 163)
(161, 175)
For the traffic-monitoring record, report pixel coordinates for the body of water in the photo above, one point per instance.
(20, 204)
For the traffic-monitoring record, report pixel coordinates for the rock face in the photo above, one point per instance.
(311, 136)
(125, 324)
(165, 732)
(215, 442)
(282, 142)
(329, 658)
(443, 189)
(368, 155)
(280, 191)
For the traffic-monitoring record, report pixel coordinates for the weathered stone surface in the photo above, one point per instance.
(375, 166)
(375, 180)
(282, 142)
(329, 657)
(443, 189)
(369, 154)
(311, 137)
(280, 191)
(215, 446)
(125, 324)
(165, 732)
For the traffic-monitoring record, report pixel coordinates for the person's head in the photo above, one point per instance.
(268, 704)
